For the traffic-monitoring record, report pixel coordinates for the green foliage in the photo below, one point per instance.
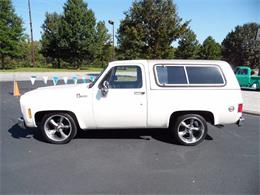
(11, 32)
(103, 48)
(74, 37)
(77, 33)
(210, 49)
(188, 46)
(240, 47)
(148, 30)
(51, 38)
(25, 58)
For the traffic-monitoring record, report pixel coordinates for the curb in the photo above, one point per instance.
(256, 113)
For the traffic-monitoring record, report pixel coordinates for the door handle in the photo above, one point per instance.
(139, 93)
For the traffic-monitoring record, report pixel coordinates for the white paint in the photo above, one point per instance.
(122, 109)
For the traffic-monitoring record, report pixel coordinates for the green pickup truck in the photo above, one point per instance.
(246, 78)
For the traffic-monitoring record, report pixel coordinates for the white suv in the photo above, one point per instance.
(183, 95)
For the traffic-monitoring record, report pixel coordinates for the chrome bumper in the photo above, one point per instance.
(21, 123)
(240, 122)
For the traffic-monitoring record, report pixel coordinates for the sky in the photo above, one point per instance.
(214, 18)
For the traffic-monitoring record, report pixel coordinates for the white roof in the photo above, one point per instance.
(166, 61)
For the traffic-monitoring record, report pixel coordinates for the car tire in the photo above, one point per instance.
(189, 129)
(58, 127)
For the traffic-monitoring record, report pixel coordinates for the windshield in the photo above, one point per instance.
(236, 70)
(94, 82)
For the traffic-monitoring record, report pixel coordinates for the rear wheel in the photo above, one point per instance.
(190, 129)
(58, 128)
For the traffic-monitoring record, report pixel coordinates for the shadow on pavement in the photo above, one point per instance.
(162, 135)
(144, 134)
(28, 133)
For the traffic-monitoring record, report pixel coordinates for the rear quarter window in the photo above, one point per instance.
(171, 75)
(189, 75)
(204, 75)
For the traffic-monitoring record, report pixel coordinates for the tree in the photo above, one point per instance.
(240, 47)
(188, 46)
(11, 31)
(148, 29)
(77, 33)
(103, 49)
(51, 39)
(26, 48)
(210, 49)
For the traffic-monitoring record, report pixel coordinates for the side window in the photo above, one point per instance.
(124, 77)
(204, 75)
(171, 75)
(244, 72)
(241, 72)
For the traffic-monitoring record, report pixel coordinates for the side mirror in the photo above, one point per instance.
(104, 88)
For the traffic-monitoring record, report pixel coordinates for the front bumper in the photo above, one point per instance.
(240, 122)
(21, 123)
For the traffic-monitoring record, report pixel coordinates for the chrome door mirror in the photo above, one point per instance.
(104, 88)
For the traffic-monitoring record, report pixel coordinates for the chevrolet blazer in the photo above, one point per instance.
(180, 95)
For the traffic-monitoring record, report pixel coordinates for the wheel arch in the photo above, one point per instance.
(39, 115)
(207, 115)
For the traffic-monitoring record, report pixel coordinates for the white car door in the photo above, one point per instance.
(124, 105)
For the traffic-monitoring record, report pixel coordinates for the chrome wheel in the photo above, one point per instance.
(57, 127)
(191, 130)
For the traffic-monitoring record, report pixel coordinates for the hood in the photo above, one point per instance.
(56, 93)
(58, 88)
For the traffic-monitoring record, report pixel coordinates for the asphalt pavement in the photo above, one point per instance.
(125, 161)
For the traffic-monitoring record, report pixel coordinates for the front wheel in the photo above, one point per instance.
(58, 128)
(190, 129)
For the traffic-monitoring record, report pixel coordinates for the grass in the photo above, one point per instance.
(30, 69)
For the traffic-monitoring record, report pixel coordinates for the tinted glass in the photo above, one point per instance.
(204, 75)
(171, 75)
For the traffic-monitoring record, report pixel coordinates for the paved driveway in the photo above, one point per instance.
(126, 161)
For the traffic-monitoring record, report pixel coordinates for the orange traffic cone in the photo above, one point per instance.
(16, 91)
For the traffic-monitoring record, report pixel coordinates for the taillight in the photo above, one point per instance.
(240, 108)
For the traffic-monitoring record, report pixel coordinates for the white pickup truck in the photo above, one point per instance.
(180, 95)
